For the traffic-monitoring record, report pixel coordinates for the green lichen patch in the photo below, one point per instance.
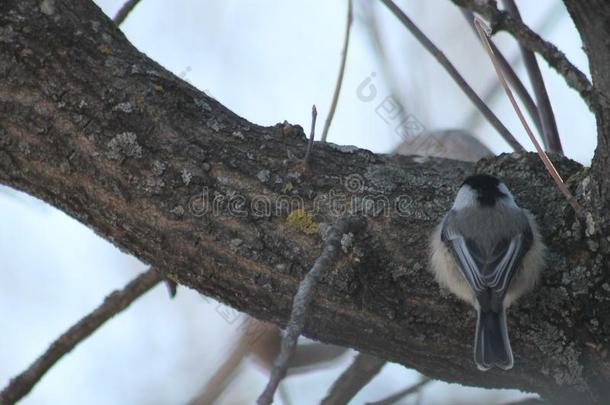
(303, 221)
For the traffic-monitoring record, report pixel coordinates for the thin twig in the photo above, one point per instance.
(502, 20)
(312, 135)
(549, 132)
(116, 302)
(353, 379)
(482, 30)
(392, 399)
(550, 19)
(455, 75)
(124, 11)
(172, 287)
(333, 104)
(510, 73)
(372, 27)
(303, 298)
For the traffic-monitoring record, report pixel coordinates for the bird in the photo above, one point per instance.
(487, 251)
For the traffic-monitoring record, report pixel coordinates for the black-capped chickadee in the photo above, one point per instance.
(488, 252)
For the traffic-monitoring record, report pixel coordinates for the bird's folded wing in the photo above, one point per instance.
(487, 270)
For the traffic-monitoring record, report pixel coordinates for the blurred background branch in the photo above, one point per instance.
(412, 389)
(502, 20)
(124, 11)
(549, 132)
(116, 302)
(337, 92)
(455, 75)
(362, 370)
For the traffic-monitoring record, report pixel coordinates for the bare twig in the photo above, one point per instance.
(333, 104)
(394, 398)
(353, 379)
(551, 18)
(549, 132)
(455, 75)
(502, 20)
(510, 73)
(124, 11)
(312, 135)
(172, 287)
(481, 28)
(222, 376)
(116, 302)
(303, 298)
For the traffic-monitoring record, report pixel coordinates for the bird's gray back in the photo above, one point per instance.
(486, 227)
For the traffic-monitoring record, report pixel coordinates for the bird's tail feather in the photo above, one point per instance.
(491, 344)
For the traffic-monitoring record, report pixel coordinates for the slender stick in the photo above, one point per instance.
(482, 30)
(550, 19)
(394, 398)
(549, 132)
(312, 135)
(520, 89)
(124, 11)
(554, 57)
(116, 302)
(353, 379)
(333, 104)
(303, 299)
(455, 75)
(372, 26)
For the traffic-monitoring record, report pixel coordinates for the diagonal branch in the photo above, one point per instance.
(494, 89)
(502, 20)
(394, 398)
(549, 132)
(482, 30)
(303, 299)
(455, 75)
(353, 379)
(511, 75)
(124, 11)
(116, 302)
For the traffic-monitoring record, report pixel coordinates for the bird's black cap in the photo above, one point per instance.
(487, 188)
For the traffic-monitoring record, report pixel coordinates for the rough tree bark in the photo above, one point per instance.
(95, 128)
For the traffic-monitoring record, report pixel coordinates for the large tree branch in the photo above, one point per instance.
(97, 129)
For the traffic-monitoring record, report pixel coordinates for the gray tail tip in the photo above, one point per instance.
(492, 346)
